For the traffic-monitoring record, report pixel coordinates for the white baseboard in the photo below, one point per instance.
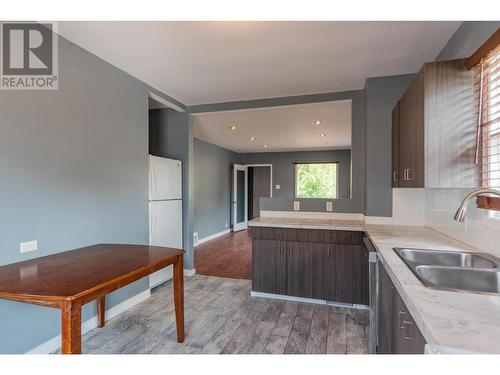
(55, 343)
(212, 236)
(313, 215)
(189, 272)
(306, 300)
(287, 298)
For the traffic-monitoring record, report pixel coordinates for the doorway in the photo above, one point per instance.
(260, 185)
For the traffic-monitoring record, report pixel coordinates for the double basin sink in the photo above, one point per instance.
(454, 270)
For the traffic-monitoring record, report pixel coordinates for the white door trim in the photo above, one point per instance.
(243, 225)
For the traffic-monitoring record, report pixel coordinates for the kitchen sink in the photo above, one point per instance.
(466, 279)
(454, 270)
(447, 258)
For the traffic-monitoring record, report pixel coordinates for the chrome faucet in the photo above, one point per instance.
(460, 214)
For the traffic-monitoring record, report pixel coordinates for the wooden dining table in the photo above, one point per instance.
(70, 279)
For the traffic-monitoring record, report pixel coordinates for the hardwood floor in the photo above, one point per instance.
(226, 256)
(222, 317)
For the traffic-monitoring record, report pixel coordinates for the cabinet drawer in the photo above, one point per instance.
(315, 235)
(277, 234)
(343, 237)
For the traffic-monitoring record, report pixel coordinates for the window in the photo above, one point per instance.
(316, 180)
(487, 86)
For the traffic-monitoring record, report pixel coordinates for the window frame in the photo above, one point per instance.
(487, 136)
(337, 177)
(476, 60)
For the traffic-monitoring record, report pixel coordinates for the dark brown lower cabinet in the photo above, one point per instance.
(269, 266)
(317, 264)
(385, 312)
(408, 339)
(360, 276)
(397, 330)
(346, 274)
(305, 269)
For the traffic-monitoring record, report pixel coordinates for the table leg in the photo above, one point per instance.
(179, 297)
(71, 327)
(101, 311)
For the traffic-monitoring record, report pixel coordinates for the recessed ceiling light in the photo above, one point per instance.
(266, 146)
(317, 123)
(322, 135)
(232, 127)
(252, 138)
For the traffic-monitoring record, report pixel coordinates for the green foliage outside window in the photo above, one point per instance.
(316, 180)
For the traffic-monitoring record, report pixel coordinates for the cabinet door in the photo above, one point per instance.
(344, 273)
(330, 272)
(385, 317)
(269, 266)
(411, 135)
(450, 116)
(399, 316)
(407, 338)
(360, 277)
(305, 269)
(414, 340)
(395, 146)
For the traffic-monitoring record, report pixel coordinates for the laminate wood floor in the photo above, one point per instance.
(222, 317)
(226, 256)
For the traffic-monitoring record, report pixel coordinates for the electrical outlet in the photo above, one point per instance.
(29, 246)
(296, 206)
(329, 206)
(226, 225)
(278, 187)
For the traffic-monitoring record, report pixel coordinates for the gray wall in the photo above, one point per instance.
(382, 94)
(212, 188)
(284, 169)
(358, 108)
(74, 173)
(467, 39)
(170, 136)
(212, 182)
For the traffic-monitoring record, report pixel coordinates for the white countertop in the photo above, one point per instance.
(468, 322)
(298, 223)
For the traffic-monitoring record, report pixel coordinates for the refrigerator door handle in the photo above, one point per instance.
(151, 223)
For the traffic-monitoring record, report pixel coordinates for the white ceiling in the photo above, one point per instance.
(286, 128)
(208, 62)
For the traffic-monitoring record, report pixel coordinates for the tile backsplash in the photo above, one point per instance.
(478, 230)
(435, 208)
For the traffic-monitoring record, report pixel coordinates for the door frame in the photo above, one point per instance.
(244, 224)
(271, 175)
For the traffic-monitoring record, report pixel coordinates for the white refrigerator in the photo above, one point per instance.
(165, 209)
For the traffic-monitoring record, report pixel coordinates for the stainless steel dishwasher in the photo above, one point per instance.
(373, 287)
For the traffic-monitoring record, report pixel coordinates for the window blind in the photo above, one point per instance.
(487, 87)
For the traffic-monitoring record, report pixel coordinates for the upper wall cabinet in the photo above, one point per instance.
(433, 131)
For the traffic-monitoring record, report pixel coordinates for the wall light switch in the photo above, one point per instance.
(29, 246)
(195, 238)
(329, 206)
(296, 205)
(278, 187)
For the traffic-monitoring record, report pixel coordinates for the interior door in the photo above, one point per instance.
(305, 269)
(240, 197)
